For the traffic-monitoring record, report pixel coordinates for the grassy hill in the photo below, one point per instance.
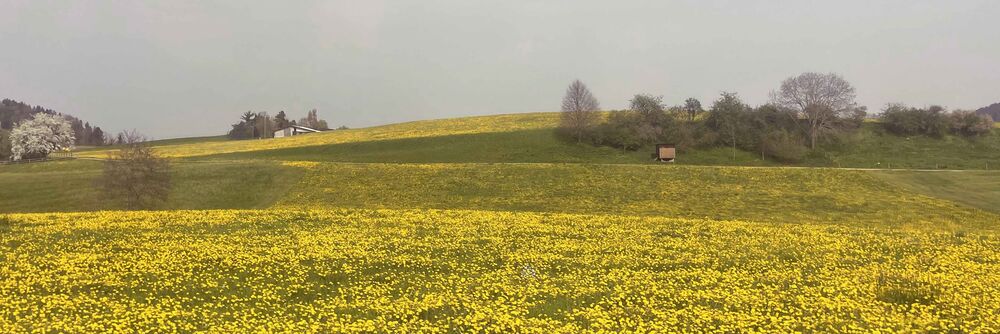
(531, 138)
(494, 223)
(797, 196)
(873, 148)
(418, 129)
(980, 189)
(249, 173)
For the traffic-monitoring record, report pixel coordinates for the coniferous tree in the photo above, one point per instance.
(281, 120)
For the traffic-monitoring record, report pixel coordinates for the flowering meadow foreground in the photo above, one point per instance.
(472, 271)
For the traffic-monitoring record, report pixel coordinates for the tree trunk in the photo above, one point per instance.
(734, 144)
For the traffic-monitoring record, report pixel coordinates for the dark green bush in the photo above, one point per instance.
(645, 123)
(901, 120)
(784, 147)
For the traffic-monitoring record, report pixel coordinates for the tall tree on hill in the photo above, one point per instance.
(312, 120)
(727, 116)
(579, 110)
(653, 114)
(97, 136)
(820, 99)
(281, 120)
(648, 106)
(693, 107)
(264, 125)
(249, 119)
(4, 144)
(86, 135)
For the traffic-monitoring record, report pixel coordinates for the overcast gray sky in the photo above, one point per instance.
(183, 68)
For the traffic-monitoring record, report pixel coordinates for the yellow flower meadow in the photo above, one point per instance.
(478, 271)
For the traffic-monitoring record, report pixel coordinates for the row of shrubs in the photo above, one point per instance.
(767, 129)
(728, 123)
(934, 121)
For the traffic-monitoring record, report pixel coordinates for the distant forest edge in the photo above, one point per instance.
(14, 112)
(992, 110)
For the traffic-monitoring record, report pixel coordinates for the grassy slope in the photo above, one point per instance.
(69, 186)
(759, 194)
(872, 148)
(431, 128)
(158, 142)
(531, 138)
(538, 145)
(514, 138)
(979, 188)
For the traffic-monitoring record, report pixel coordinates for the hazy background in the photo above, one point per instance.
(183, 68)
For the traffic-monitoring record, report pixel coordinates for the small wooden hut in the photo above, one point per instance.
(666, 152)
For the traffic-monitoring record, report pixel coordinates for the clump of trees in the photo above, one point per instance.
(134, 175)
(933, 121)
(806, 111)
(40, 136)
(645, 122)
(252, 125)
(971, 124)
(14, 112)
(261, 125)
(312, 121)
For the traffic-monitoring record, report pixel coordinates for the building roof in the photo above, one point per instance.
(299, 127)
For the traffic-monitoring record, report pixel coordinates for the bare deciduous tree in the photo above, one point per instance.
(820, 99)
(580, 109)
(134, 175)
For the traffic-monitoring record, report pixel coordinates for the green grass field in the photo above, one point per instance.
(62, 186)
(980, 189)
(872, 148)
(824, 196)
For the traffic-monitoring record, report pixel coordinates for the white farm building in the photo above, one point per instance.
(293, 130)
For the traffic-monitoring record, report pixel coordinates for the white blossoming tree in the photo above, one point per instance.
(39, 136)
